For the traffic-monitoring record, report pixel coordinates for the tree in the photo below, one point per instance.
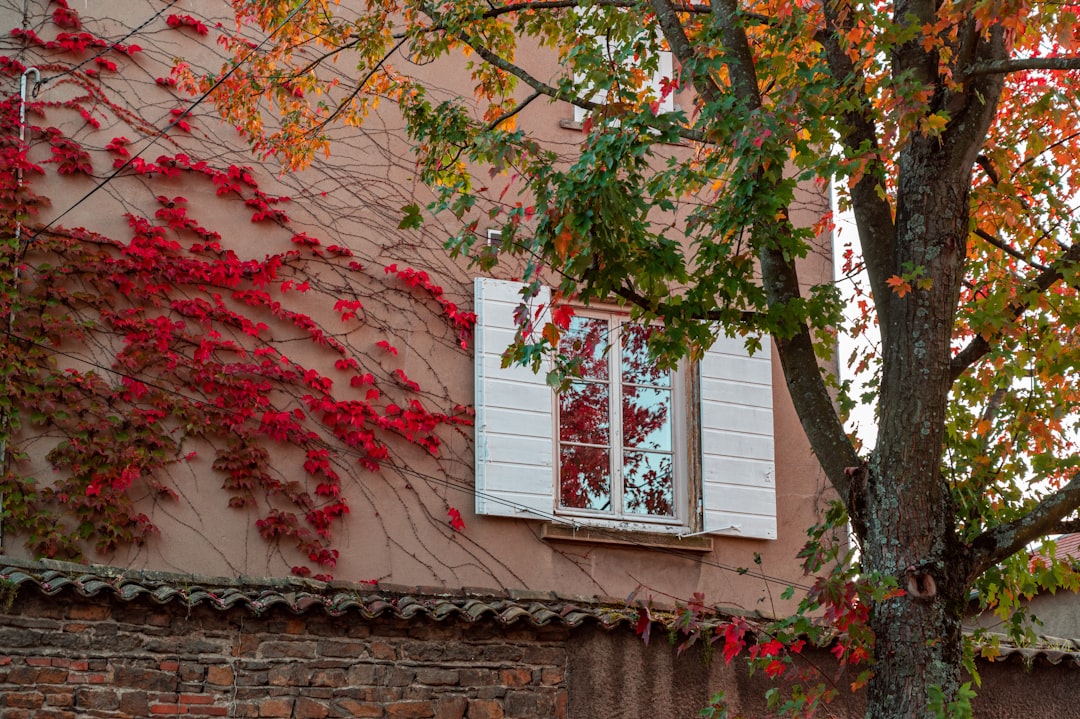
(950, 131)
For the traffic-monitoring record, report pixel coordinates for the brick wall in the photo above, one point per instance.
(67, 658)
(74, 657)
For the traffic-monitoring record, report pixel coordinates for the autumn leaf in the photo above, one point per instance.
(562, 243)
(899, 285)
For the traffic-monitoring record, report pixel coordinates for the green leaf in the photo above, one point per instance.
(411, 218)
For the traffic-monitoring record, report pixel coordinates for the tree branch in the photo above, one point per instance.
(668, 19)
(990, 239)
(543, 88)
(628, 293)
(795, 346)
(979, 346)
(1018, 64)
(683, 7)
(994, 545)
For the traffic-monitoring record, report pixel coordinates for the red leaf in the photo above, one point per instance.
(456, 522)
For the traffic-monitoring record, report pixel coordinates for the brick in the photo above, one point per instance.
(544, 655)
(23, 675)
(100, 699)
(417, 691)
(144, 679)
(75, 665)
(382, 650)
(308, 709)
(515, 677)
(526, 704)
(552, 676)
(295, 626)
(288, 650)
(52, 714)
(399, 677)
(219, 675)
(196, 699)
(361, 674)
(245, 645)
(24, 700)
(354, 708)
(328, 678)
(410, 710)
(476, 677)
(169, 665)
(451, 707)
(560, 705)
(192, 672)
(134, 703)
(276, 707)
(52, 675)
(88, 612)
(167, 709)
(38, 661)
(491, 692)
(63, 698)
(208, 711)
(437, 677)
(286, 675)
(342, 650)
(485, 709)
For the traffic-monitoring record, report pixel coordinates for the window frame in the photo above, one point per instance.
(680, 449)
(729, 423)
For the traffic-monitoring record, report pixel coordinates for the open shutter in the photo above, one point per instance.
(514, 423)
(738, 472)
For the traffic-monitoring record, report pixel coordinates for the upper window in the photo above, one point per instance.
(626, 445)
(617, 433)
(657, 87)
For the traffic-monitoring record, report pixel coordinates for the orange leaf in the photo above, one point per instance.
(899, 285)
(562, 243)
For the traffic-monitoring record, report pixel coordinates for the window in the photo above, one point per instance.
(627, 446)
(617, 433)
(611, 50)
(662, 76)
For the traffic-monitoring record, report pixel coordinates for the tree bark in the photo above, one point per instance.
(909, 513)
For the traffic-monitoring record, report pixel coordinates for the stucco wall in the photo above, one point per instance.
(397, 530)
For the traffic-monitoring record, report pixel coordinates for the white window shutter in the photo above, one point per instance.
(738, 471)
(514, 422)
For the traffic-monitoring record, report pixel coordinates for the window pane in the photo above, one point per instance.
(648, 484)
(583, 413)
(585, 478)
(646, 418)
(587, 339)
(637, 367)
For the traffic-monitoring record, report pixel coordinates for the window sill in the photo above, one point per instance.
(562, 533)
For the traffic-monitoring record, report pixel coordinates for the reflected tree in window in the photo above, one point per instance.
(615, 423)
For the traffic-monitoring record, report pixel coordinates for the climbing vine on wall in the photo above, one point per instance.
(126, 355)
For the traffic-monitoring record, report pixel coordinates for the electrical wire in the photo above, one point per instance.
(112, 45)
(171, 123)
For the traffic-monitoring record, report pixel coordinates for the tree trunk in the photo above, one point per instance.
(909, 521)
